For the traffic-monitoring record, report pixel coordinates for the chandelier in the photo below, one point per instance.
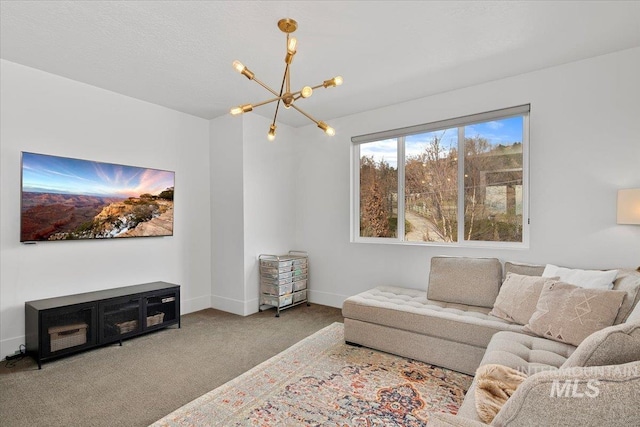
(285, 96)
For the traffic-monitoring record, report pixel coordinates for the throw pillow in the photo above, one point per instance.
(518, 297)
(569, 313)
(494, 385)
(590, 279)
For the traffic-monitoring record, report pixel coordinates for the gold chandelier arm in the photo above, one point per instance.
(305, 114)
(322, 125)
(265, 86)
(284, 78)
(268, 101)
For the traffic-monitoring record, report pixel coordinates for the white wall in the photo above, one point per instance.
(48, 114)
(584, 131)
(253, 205)
(227, 214)
(269, 197)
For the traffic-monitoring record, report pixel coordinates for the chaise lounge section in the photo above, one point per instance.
(450, 326)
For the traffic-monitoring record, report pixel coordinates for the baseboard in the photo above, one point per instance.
(229, 305)
(251, 306)
(195, 304)
(326, 298)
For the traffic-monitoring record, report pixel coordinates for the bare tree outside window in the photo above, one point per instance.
(461, 184)
(431, 188)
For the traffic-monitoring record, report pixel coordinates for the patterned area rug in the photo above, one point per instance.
(323, 381)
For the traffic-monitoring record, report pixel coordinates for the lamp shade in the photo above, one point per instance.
(629, 206)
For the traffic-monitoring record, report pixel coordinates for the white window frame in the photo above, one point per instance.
(459, 122)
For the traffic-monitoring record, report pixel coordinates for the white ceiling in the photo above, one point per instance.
(179, 53)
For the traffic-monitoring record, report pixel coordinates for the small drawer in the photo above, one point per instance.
(281, 301)
(276, 290)
(299, 296)
(271, 274)
(299, 271)
(300, 262)
(299, 285)
(277, 282)
(276, 264)
(274, 270)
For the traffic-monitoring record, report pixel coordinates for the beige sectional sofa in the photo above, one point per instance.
(449, 325)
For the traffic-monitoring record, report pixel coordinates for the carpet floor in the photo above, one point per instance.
(323, 381)
(152, 375)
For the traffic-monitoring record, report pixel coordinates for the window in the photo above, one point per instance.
(461, 181)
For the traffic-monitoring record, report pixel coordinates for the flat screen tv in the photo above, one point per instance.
(73, 199)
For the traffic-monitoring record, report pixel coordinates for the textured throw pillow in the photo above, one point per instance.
(518, 297)
(494, 385)
(569, 313)
(590, 279)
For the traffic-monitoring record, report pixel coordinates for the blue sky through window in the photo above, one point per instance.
(505, 131)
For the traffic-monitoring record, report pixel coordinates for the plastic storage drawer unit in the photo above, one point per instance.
(283, 280)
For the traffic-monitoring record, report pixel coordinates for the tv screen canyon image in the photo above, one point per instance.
(72, 199)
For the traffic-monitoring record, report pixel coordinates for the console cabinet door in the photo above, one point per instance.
(67, 329)
(162, 308)
(119, 318)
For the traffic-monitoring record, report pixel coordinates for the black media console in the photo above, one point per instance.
(60, 326)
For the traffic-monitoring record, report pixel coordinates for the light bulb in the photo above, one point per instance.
(272, 133)
(336, 81)
(291, 45)
(306, 92)
(326, 128)
(242, 109)
(238, 66)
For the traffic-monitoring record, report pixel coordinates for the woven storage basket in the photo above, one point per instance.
(155, 319)
(67, 336)
(125, 327)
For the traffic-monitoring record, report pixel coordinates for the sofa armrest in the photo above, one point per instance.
(440, 419)
(593, 396)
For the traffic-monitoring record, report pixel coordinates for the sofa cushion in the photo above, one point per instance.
(469, 281)
(410, 310)
(614, 345)
(518, 298)
(523, 269)
(634, 316)
(628, 281)
(569, 313)
(525, 353)
(590, 279)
